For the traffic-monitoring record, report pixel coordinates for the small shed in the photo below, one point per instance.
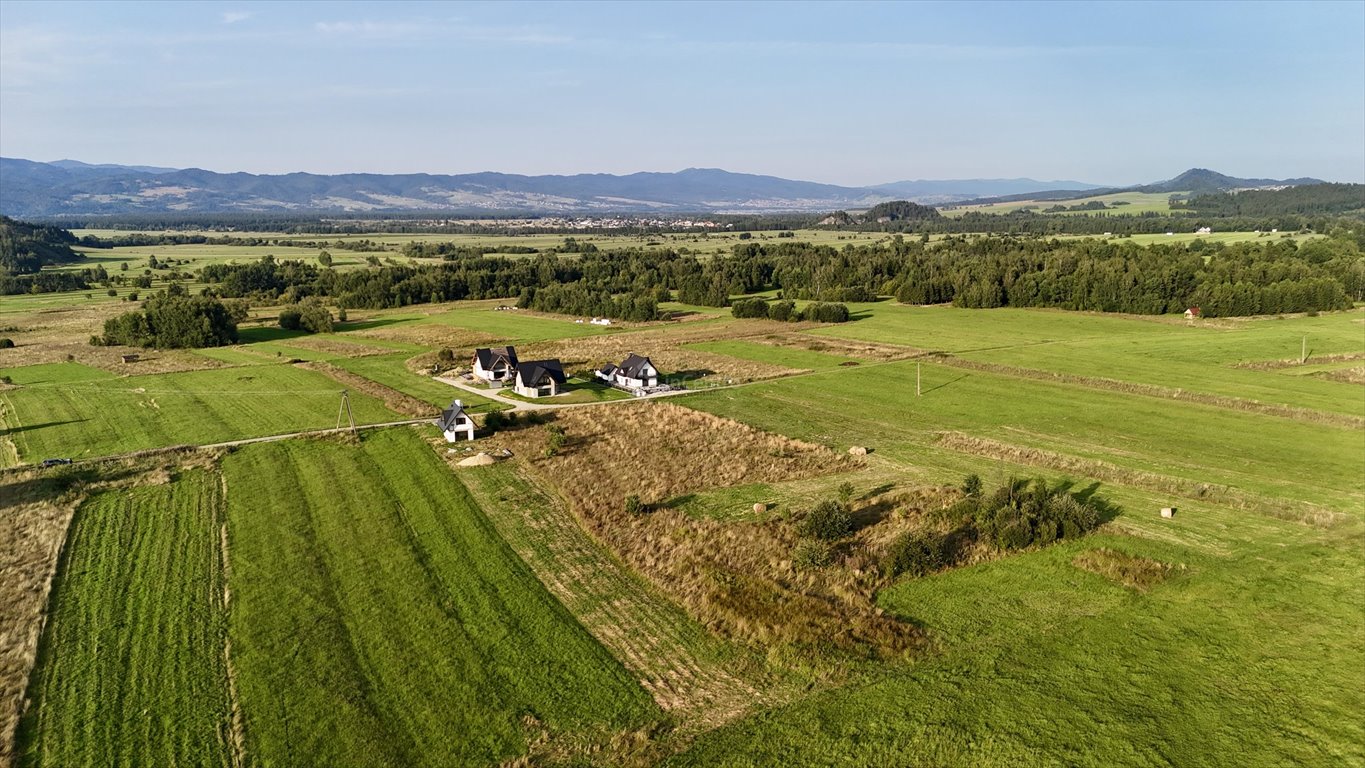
(1168, 511)
(1192, 313)
(131, 358)
(454, 422)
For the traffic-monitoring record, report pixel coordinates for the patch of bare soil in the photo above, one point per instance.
(399, 402)
(736, 577)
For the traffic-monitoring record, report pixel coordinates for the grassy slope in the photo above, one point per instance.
(1243, 658)
(132, 672)
(106, 415)
(1198, 358)
(378, 619)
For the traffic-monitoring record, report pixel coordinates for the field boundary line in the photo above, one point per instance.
(236, 718)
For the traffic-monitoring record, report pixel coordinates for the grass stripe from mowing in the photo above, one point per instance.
(131, 670)
(379, 620)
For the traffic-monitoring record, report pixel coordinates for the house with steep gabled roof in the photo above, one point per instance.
(455, 422)
(539, 378)
(635, 372)
(495, 364)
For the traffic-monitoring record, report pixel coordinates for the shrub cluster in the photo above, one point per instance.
(809, 554)
(828, 521)
(916, 553)
(308, 315)
(750, 308)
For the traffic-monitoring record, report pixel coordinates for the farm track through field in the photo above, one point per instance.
(675, 659)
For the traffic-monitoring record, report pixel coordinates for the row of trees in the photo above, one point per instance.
(785, 310)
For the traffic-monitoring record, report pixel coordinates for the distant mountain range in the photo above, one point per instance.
(957, 190)
(1195, 181)
(67, 187)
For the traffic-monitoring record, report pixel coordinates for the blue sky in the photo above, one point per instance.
(841, 93)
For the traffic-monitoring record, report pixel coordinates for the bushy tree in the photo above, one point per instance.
(825, 312)
(915, 553)
(828, 521)
(749, 308)
(783, 311)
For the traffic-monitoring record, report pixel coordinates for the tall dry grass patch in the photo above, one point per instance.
(1133, 571)
(736, 577)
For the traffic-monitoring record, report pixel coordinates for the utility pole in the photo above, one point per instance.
(1303, 350)
(346, 409)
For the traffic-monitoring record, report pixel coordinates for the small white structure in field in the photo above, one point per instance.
(1192, 313)
(1168, 511)
(600, 321)
(455, 421)
(495, 364)
(1204, 231)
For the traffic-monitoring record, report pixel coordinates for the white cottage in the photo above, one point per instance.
(495, 364)
(637, 372)
(539, 378)
(454, 422)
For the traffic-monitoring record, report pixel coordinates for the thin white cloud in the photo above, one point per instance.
(379, 31)
(232, 17)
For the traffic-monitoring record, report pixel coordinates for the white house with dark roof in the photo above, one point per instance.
(495, 364)
(455, 422)
(539, 378)
(635, 372)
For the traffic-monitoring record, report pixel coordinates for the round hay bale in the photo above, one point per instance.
(760, 508)
(857, 450)
(480, 459)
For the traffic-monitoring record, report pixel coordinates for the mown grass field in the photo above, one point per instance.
(132, 670)
(1204, 355)
(70, 410)
(420, 636)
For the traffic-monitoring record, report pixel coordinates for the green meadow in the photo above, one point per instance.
(74, 411)
(132, 670)
(425, 640)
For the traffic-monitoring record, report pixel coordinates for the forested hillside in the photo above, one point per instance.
(27, 247)
(1314, 200)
